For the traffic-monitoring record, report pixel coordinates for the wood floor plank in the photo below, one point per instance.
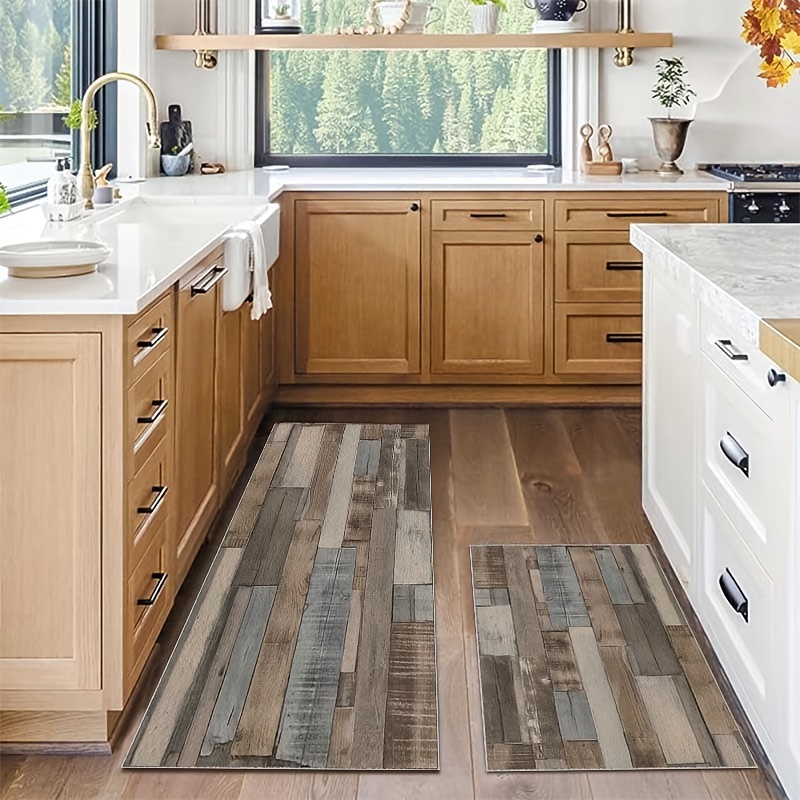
(257, 546)
(391, 477)
(490, 703)
(288, 785)
(583, 755)
(288, 454)
(410, 733)
(559, 509)
(542, 716)
(352, 637)
(258, 726)
(359, 515)
(341, 738)
(595, 594)
(601, 700)
(643, 743)
(346, 693)
(273, 558)
(423, 603)
(372, 670)
(300, 469)
(669, 720)
(157, 728)
(615, 582)
(333, 526)
(523, 606)
(509, 756)
(561, 588)
(413, 558)
(230, 701)
(411, 484)
(322, 479)
(713, 707)
(640, 654)
(574, 717)
(561, 663)
(542, 611)
(488, 567)
(628, 575)
(305, 727)
(652, 580)
(496, 635)
(732, 750)
(255, 493)
(726, 784)
(650, 622)
(367, 456)
(704, 739)
(216, 674)
(487, 489)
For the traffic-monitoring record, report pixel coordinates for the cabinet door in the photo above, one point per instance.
(251, 367)
(358, 287)
(268, 372)
(195, 445)
(230, 419)
(50, 530)
(670, 397)
(487, 303)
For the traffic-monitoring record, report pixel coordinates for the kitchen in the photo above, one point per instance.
(477, 301)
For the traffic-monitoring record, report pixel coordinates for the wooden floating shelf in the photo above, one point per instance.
(412, 41)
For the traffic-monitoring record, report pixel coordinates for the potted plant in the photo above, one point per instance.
(282, 11)
(671, 89)
(485, 13)
(5, 206)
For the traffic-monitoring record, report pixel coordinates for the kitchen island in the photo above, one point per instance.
(720, 451)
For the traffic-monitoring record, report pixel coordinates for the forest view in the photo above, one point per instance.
(412, 102)
(34, 54)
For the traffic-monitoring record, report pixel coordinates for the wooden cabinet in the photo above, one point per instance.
(250, 367)
(196, 453)
(487, 303)
(616, 213)
(357, 294)
(50, 512)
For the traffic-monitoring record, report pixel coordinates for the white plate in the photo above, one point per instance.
(540, 168)
(276, 168)
(46, 254)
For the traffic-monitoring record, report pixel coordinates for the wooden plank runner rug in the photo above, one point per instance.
(588, 663)
(311, 644)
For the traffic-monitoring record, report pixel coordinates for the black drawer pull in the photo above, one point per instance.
(161, 578)
(160, 406)
(498, 215)
(624, 338)
(209, 280)
(624, 266)
(637, 214)
(735, 453)
(158, 335)
(727, 347)
(734, 594)
(774, 377)
(160, 492)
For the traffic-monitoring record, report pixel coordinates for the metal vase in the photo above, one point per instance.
(670, 139)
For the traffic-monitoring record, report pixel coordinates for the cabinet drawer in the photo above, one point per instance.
(616, 214)
(148, 409)
(744, 646)
(600, 267)
(744, 464)
(149, 336)
(601, 338)
(148, 499)
(148, 600)
(744, 363)
(487, 215)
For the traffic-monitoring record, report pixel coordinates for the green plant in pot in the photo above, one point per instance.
(671, 90)
(5, 206)
(485, 14)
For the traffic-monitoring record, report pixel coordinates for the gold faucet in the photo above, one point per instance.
(153, 139)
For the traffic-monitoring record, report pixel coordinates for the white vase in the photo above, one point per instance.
(484, 18)
(390, 12)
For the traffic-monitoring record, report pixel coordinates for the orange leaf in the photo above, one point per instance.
(777, 73)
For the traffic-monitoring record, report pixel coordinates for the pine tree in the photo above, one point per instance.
(62, 93)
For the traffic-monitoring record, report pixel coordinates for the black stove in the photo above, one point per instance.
(766, 193)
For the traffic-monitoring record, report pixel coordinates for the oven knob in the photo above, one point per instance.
(783, 207)
(753, 208)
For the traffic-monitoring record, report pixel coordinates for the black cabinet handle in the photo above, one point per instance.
(624, 338)
(414, 207)
(735, 453)
(624, 266)
(158, 335)
(538, 238)
(774, 377)
(161, 492)
(160, 406)
(487, 215)
(636, 214)
(734, 594)
(161, 578)
(209, 280)
(727, 347)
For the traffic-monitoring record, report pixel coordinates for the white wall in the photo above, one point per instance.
(737, 117)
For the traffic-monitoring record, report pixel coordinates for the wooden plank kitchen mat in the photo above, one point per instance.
(312, 643)
(587, 662)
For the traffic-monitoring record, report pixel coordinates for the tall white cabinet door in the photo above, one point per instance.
(669, 401)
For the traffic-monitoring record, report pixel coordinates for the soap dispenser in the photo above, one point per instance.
(63, 199)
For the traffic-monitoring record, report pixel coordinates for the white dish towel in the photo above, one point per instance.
(257, 264)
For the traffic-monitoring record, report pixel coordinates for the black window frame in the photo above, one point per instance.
(264, 158)
(94, 50)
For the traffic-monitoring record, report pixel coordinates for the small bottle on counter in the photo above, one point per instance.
(63, 197)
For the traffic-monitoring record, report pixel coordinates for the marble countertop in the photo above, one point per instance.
(748, 273)
(151, 255)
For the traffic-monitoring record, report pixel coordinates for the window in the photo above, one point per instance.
(414, 107)
(50, 50)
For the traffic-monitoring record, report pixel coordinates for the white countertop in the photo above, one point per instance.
(746, 272)
(149, 257)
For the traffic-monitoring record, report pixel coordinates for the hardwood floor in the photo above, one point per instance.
(521, 476)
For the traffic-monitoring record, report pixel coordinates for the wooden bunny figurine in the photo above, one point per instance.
(604, 150)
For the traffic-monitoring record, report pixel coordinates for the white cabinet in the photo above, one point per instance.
(670, 402)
